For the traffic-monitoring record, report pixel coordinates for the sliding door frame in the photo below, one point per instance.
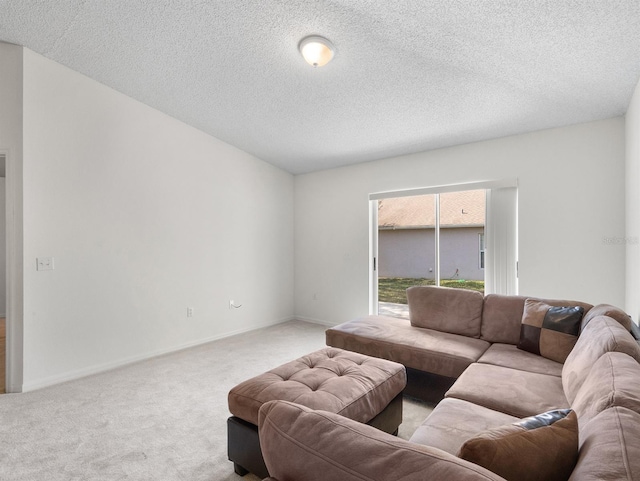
(14, 273)
(440, 189)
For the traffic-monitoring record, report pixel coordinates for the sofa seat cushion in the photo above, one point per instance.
(601, 335)
(614, 380)
(302, 444)
(508, 355)
(511, 391)
(446, 309)
(609, 447)
(454, 421)
(356, 386)
(395, 339)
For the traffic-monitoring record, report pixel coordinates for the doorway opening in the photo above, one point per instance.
(432, 239)
(3, 276)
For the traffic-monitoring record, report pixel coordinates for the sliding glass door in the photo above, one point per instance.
(437, 238)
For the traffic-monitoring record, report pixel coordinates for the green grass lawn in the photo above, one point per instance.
(393, 289)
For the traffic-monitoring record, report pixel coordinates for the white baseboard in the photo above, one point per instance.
(99, 368)
(316, 321)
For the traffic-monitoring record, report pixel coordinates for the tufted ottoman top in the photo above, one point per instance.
(354, 385)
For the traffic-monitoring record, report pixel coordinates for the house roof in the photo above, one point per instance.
(408, 76)
(457, 209)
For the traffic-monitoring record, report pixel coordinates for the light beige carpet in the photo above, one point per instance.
(161, 419)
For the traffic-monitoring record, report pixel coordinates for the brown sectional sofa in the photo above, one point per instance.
(471, 340)
(450, 329)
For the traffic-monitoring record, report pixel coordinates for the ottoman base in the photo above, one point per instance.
(243, 445)
(427, 386)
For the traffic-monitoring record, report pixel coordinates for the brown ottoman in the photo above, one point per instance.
(362, 388)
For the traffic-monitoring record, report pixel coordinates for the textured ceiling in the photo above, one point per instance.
(408, 75)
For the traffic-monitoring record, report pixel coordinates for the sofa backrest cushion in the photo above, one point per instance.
(458, 311)
(609, 447)
(607, 310)
(601, 335)
(614, 380)
(502, 316)
(299, 443)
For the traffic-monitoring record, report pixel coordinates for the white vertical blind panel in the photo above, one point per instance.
(501, 241)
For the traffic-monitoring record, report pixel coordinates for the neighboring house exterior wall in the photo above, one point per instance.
(411, 253)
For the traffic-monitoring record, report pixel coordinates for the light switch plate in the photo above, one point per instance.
(44, 263)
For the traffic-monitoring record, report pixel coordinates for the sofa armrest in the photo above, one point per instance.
(300, 444)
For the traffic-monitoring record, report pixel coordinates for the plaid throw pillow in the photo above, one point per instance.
(549, 331)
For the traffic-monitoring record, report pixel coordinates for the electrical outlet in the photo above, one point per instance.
(189, 311)
(44, 263)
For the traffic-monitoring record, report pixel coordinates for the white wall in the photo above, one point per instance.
(144, 217)
(571, 201)
(632, 237)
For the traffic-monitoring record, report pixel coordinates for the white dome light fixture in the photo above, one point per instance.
(316, 50)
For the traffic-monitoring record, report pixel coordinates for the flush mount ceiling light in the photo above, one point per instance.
(317, 51)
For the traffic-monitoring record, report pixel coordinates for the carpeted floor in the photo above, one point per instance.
(161, 419)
